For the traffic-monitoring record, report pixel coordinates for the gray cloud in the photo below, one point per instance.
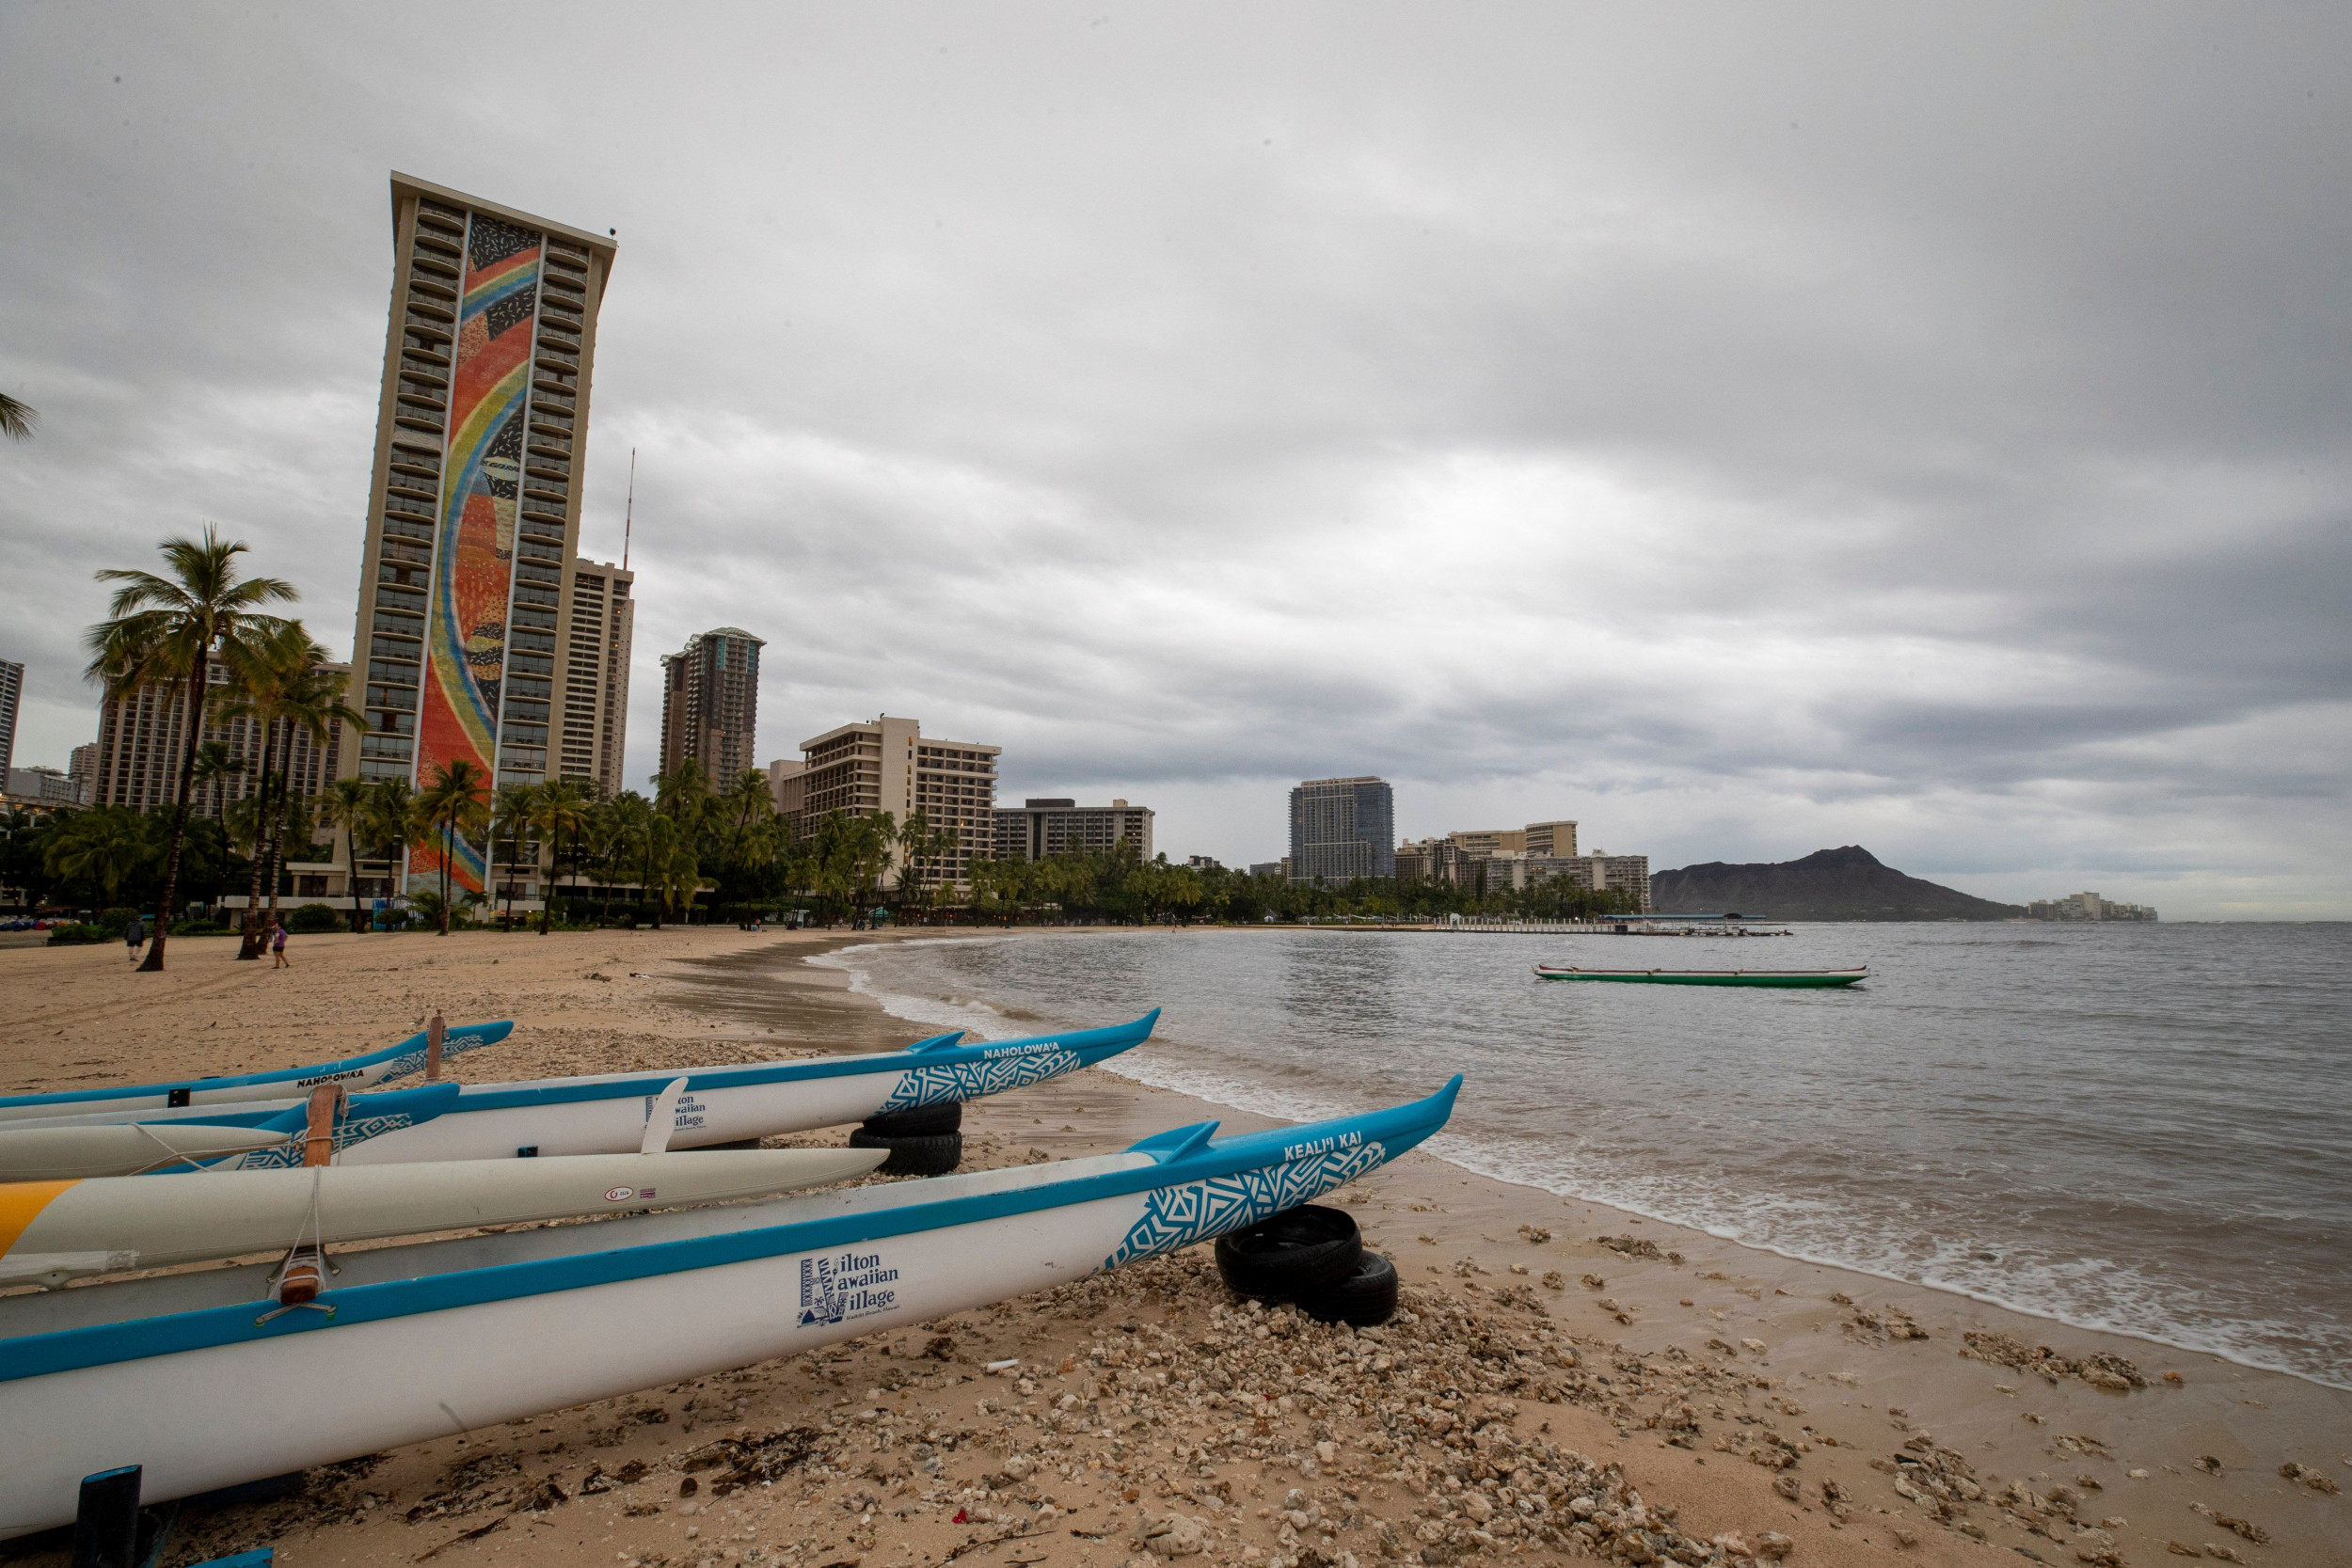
(1745, 430)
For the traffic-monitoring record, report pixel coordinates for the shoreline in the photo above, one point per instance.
(1786, 1396)
(2305, 1415)
(1445, 1147)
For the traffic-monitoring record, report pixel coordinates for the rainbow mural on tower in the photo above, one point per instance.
(473, 566)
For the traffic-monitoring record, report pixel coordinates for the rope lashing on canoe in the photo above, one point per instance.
(303, 1273)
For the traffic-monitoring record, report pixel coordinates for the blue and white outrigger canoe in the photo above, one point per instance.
(353, 1072)
(606, 1113)
(202, 1380)
(67, 1148)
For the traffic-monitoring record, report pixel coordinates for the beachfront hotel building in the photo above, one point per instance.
(12, 698)
(886, 764)
(470, 578)
(1600, 871)
(2085, 906)
(140, 744)
(595, 674)
(710, 704)
(1343, 829)
(1056, 827)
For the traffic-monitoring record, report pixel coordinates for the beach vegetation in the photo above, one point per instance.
(166, 629)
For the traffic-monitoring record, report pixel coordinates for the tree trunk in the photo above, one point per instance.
(198, 678)
(449, 852)
(251, 945)
(277, 822)
(514, 861)
(555, 857)
(351, 848)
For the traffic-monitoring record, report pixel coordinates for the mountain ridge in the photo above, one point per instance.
(1844, 883)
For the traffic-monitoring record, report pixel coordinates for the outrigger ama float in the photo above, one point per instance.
(208, 1381)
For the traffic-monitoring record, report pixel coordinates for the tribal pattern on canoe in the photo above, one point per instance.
(351, 1129)
(933, 1085)
(1176, 1217)
(413, 1061)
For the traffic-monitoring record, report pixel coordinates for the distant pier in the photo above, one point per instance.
(1641, 926)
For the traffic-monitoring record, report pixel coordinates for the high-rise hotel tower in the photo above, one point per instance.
(468, 595)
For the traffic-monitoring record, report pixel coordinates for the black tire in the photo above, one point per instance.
(1365, 1299)
(926, 1154)
(1295, 1252)
(946, 1117)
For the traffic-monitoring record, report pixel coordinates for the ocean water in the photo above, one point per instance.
(2139, 1128)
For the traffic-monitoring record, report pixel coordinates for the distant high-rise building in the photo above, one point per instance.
(885, 765)
(710, 704)
(139, 745)
(82, 768)
(1600, 871)
(1550, 838)
(468, 586)
(787, 781)
(1265, 868)
(1467, 857)
(1342, 828)
(2085, 906)
(45, 788)
(11, 696)
(595, 674)
(1054, 827)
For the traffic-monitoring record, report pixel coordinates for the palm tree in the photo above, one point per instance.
(748, 803)
(680, 873)
(345, 805)
(101, 846)
(655, 842)
(17, 418)
(282, 688)
(561, 807)
(511, 823)
(392, 826)
(168, 629)
(216, 763)
(455, 805)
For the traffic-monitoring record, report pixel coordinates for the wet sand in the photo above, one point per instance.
(1727, 1386)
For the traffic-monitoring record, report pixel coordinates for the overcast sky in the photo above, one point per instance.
(1743, 428)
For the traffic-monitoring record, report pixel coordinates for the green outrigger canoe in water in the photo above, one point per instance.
(1785, 977)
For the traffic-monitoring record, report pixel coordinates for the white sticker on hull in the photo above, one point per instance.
(691, 1111)
(845, 1286)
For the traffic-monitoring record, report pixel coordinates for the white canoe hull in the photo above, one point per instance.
(227, 1415)
(65, 1149)
(192, 1378)
(72, 1153)
(64, 1229)
(611, 1125)
(607, 1114)
(364, 1071)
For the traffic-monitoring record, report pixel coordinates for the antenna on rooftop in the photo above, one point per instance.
(628, 517)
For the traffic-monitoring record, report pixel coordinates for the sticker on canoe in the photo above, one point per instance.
(845, 1286)
(619, 1195)
(689, 1110)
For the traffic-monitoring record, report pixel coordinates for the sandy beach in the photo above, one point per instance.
(1574, 1380)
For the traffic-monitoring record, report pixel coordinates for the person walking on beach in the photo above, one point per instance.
(278, 948)
(135, 937)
